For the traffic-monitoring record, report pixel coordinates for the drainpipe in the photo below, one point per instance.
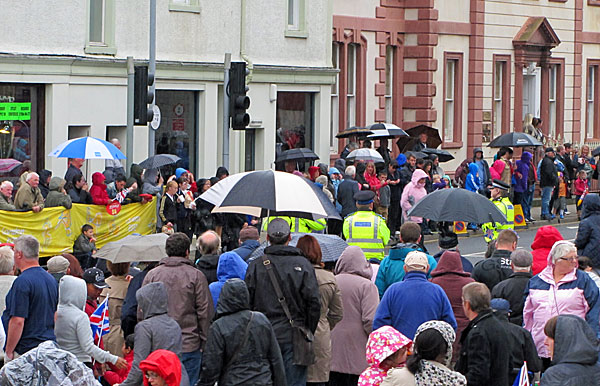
(249, 64)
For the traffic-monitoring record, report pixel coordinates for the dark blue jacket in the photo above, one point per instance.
(588, 234)
(246, 249)
(408, 304)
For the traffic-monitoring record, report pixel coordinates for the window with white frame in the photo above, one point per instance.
(97, 21)
(449, 101)
(591, 83)
(390, 58)
(351, 85)
(498, 100)
(184, 6)
(335, 99)
(293, 19)
(552, 101)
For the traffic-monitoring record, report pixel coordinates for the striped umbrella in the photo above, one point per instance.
(266, 193)
(87, 148)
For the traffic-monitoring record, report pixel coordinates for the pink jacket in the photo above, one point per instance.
(574, 294)
(497, 169)
(413, 193)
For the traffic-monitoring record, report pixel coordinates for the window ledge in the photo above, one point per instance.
(100, 49)
(193, 8)
(302, 34)
(593, 2)
(452, 145)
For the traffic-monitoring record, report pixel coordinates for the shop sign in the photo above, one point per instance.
(11, 111)
(178, 124)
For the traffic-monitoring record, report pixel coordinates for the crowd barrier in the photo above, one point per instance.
(57, 228)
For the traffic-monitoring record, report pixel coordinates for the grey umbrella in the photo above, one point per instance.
(457, 205)
(159, 160)
(332, 246)
(135, 248)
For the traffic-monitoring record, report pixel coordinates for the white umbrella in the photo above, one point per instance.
(268, 193)
(87, 148)
(135, 248)
(386, 130)
(366, 155)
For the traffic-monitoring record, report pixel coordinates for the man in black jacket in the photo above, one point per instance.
(484, 354)
(512, 289)
(346, 191)
(498, 267)
(548, 182)
(393, 178)
(298, 283)
(407, 171)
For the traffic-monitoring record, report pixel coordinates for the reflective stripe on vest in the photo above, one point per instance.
(371, 247)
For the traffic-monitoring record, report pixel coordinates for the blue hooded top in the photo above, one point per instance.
(472, 182)
(523, 169)
(179, 172)
(230, 266)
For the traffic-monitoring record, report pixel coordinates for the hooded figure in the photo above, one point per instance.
(179, 172)
(472, 183)
(136, 176)
(382, 343)
(157, 330)
(258, 361)
(72, 326)
(230, 266)
(575, 354)
(44, 185)
(545, 238)
(412, 193)
(430, 371)
(359, 300)
(523, 170)
(484, 168)
(588, 234)
(151, 185)
(98, 189)
(497, 169)
(165, 364)
(57, 195)
(449, 275)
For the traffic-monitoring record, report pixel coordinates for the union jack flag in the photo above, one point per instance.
(99, 320)
(523, 378)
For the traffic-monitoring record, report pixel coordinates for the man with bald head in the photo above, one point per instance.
(29, 196)
(513, 287)
(113, 167)
(207, 254)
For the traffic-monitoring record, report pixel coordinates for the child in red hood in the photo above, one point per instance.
(98, 189)
(114, 375)
(545, 238)
(161, 368)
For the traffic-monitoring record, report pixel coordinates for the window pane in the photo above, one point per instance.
(295, 118)
(450, 79)
(498, 80)
(293, 13)
(449, 122)
(389, 69)
(351, 68)
(590, 85)
(97, 21)
(589, 124)
(335, 62)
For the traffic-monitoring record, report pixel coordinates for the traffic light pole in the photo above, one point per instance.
(152, 71)
(130, 103)
(227, 66)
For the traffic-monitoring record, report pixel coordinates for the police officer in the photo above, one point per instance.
(366, 229)
(499, 192)
(300, 225)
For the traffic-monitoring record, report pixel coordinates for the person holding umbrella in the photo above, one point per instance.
(499, 192)
(366, 229)
(422, 144)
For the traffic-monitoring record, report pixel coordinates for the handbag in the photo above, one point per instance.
(302, 337)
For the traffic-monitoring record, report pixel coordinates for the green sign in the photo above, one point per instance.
(15, 111)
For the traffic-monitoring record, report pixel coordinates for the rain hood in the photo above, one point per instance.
(353, 262)
(152, 299)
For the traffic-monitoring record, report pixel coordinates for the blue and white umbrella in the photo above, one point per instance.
(87, 148)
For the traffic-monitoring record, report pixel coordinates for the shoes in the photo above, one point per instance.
(562, 216)
(531, 219)
(567, 212)
(552, 217)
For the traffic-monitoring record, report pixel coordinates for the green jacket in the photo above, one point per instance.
(6, 203)
(56, 197)
(28, 197)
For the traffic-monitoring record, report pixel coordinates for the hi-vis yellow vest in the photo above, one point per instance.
(490, 230)
(300, 225)
(367, 230)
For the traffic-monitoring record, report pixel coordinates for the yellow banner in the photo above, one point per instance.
(57, 228)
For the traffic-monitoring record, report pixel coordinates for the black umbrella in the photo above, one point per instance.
(332, 246)
(354, 130)
(442, 155)
(301, 155)
(433, 134)
(596, 152)
(515, 139)
(457, 205)
(159, 160)
(416, 154)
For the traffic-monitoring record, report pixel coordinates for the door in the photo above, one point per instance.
(532, 92)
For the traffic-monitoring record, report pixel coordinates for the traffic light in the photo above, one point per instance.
(238, 101)
(143, 96)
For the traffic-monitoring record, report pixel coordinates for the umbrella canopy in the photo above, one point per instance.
(515, 140)
(301, 154)
(596, 152)
(266, 193)
(433, 135)
(416, 154)
(443, 155)
(332, 246)
(7, 165)
(135, 248)
(354, 130)
(457, 205)
(87, 148)
(159, 160)
(366, 155)
(386, 130)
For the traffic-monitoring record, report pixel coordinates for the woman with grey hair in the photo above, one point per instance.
(559, 289)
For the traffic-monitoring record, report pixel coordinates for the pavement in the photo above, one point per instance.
(473, 246)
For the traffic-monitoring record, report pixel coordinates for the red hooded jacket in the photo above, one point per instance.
(98, 189)
(166, 364)
(545, 238)
(115, 375)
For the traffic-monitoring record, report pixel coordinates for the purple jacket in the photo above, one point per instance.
(523, 168)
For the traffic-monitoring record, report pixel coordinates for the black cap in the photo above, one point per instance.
(278, 227)
(364, 197)
(549, 149)
(96, 277)
(500, 184)
(448, 241)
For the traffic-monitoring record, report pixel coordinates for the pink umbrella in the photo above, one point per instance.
(7, 165)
